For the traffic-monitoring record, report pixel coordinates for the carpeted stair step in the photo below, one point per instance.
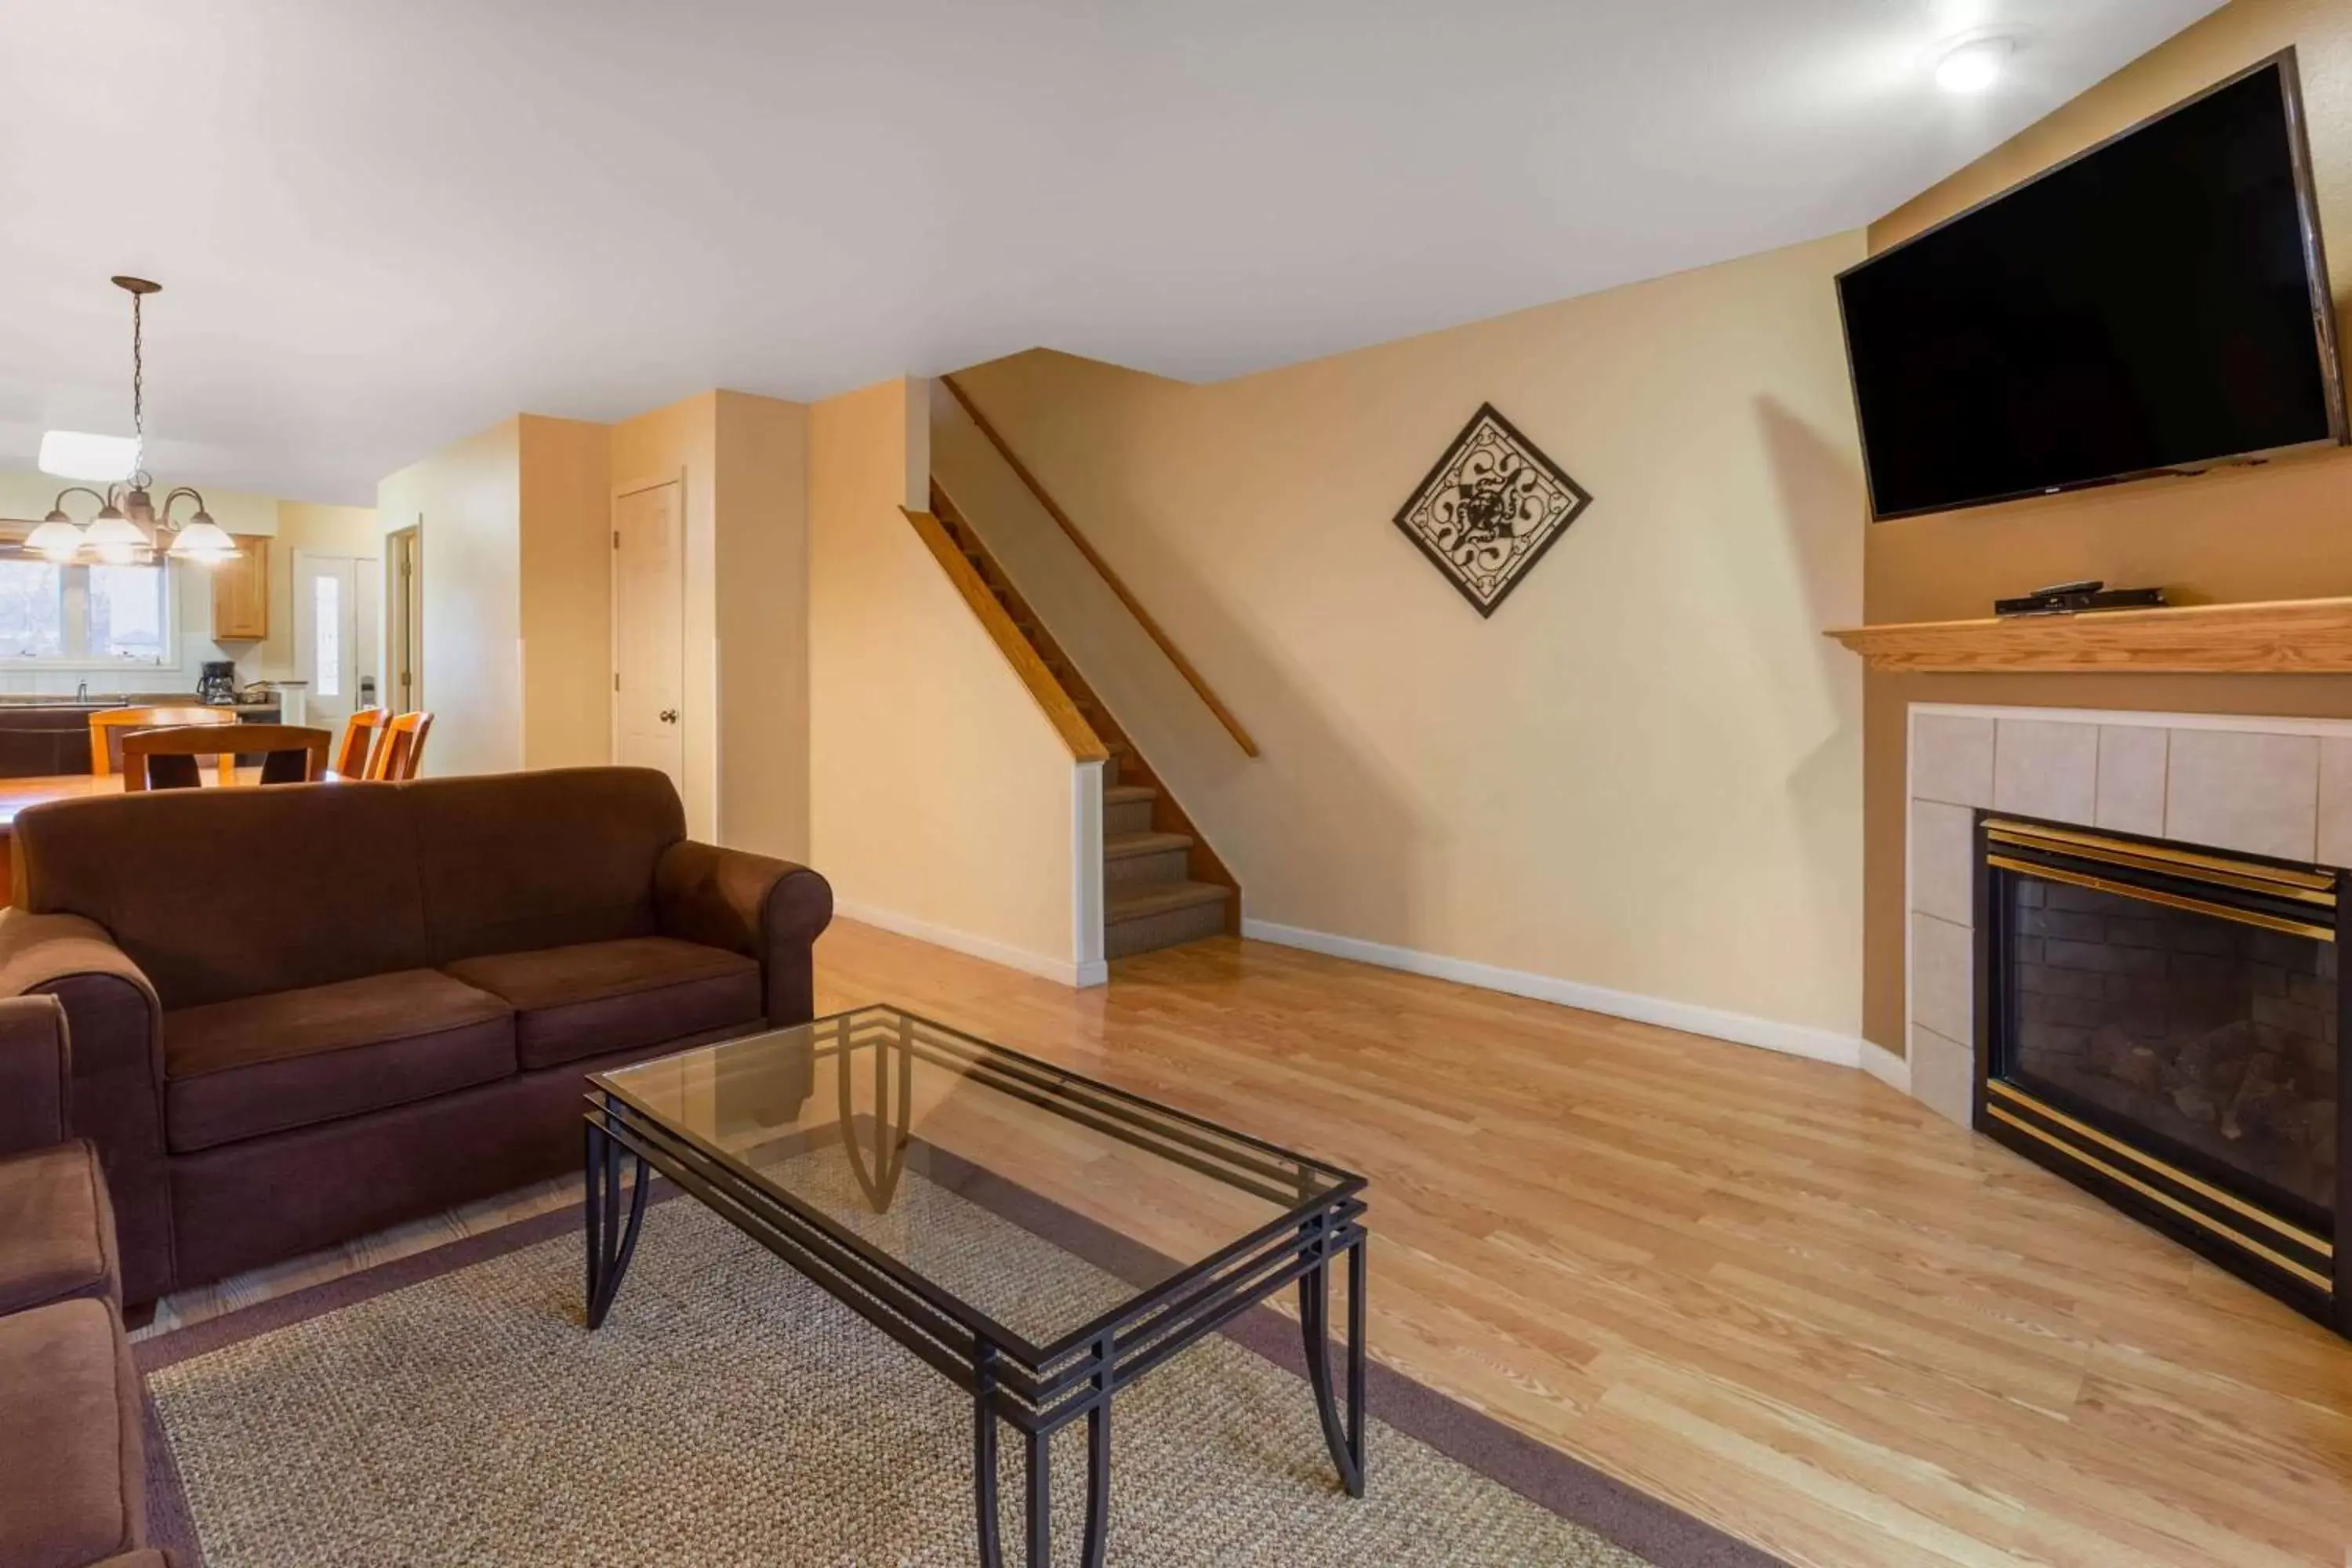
(1134, 861)
(1127, 808)
(1144, 919)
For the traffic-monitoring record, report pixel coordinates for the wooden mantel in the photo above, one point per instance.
(2289, 636)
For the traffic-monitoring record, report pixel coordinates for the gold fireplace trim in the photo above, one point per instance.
(2170, 900)
(2295, 1232)
(2314, 888)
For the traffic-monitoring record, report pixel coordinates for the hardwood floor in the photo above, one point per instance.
(1774, 1292)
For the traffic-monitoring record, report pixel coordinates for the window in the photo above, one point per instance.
(327, 636)
(85, 615)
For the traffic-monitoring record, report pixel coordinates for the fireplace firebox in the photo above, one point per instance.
(2162, 1024)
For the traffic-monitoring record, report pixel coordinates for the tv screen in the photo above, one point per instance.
(2159, 303)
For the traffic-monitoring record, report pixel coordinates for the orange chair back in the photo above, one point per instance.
(108, 727)
(401, 748)
(166, 759)
(358, 740)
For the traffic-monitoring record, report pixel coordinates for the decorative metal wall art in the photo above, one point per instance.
(1490, 508)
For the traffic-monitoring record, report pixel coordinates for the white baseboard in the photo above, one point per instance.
(1094, 973)
(1740, 1029)
(1888, 1068)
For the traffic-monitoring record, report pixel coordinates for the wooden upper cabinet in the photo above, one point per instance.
(241, 592)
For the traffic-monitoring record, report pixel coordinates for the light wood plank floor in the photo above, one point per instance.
(1774, 1292)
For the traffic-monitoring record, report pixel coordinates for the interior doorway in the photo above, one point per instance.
(404, 600)
(335, 611)
(649, 627)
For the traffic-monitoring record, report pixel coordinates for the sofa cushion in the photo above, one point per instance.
(220, 893)
(263, 1064)
(598, 996)
(516, 861)
(57, 1228)
(73, 1469)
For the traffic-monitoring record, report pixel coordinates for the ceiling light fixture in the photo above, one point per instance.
(1973, 66)
(128, 528)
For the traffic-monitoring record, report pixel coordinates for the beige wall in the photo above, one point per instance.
(759, 624)
(466, 502)
(564, 584)
(1643, 774)
(2242, 534)
(941, 801)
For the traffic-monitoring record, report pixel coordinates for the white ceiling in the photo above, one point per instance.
(384, 224)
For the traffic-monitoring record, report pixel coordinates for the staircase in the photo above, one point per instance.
(1162, 884)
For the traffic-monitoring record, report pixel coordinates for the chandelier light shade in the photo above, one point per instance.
(127, 527)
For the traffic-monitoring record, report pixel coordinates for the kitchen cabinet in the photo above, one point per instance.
(241, 592)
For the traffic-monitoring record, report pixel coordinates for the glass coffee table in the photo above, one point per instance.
(941, 1186)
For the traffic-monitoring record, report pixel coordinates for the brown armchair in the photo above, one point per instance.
(72, 1462)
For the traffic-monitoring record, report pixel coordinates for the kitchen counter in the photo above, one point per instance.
(42, 735)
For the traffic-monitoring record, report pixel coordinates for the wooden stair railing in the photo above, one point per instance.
(1059, 708)
(1102, 568)
(1162, 884)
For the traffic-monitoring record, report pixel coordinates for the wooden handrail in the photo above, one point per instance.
(1102, 568)
(1086, 746)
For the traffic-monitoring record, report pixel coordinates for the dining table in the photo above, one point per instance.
(16, 795)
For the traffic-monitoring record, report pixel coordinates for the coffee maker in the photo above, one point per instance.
(217, 682)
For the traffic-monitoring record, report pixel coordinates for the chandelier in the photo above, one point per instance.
(129, 527)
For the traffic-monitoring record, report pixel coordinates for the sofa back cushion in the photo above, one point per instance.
(510, 862)
(221, 894)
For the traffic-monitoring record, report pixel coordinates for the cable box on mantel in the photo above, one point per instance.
(2076, 598)
(2283, 636)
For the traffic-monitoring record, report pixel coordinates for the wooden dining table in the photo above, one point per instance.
(16, 795)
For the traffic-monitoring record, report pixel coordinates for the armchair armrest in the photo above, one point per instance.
(109, 1002)
(763, 908)
(36, 1074)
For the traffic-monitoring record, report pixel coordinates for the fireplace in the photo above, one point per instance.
(2162, 1024)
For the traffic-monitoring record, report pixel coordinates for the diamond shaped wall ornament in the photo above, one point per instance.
(1490, 508)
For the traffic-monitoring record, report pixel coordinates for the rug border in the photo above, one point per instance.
(1617, 1511)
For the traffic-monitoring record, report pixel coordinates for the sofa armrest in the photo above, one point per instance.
(764, 909)
(36, 1075)
(111, 1004)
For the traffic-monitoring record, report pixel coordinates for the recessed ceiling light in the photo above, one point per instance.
(79, 455)
(1974, 66)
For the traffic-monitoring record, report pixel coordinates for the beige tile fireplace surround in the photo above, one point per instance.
(2281, 788)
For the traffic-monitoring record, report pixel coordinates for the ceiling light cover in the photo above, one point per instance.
(56, 537)
(201, 539)
(109, 530)
(1974, 66)
(79, 455)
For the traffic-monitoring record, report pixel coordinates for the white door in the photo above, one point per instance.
(334, 627)
(649, 629)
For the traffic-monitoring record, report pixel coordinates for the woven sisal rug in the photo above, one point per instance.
(450, 1408)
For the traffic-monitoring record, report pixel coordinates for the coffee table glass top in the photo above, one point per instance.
(1042, 1200)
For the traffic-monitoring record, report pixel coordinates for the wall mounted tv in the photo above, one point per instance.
(2157, 304)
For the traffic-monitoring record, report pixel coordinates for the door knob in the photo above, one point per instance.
(669, 715)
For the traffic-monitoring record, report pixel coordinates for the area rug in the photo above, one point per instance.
(450, 1408)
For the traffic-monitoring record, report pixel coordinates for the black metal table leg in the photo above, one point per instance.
(611, 1241)
(983, 1457)
(1040, 1500)
(1098, 1536)
(1346, 1442)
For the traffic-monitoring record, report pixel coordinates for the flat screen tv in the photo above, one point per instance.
(2157, 304)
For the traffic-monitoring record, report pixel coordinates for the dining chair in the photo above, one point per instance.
(359, 740)
(108, 725)
(166, 759)
(401, 748)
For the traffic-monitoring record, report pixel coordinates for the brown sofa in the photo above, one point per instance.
(304, 1013)
(73, 1476)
